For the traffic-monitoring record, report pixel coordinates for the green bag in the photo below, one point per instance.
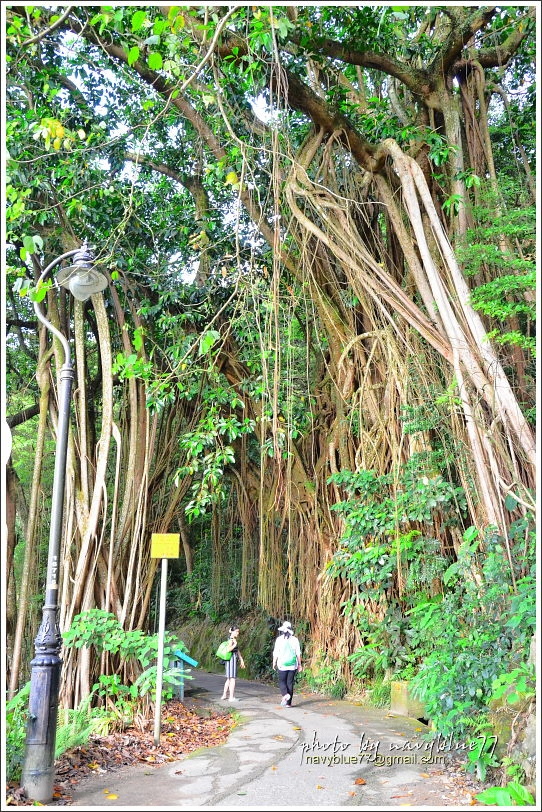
(223, 651)
(289, 657)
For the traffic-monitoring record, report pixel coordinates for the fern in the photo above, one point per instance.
(16, 717)
(77, 726)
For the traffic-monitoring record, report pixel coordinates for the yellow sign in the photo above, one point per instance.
(165, 545)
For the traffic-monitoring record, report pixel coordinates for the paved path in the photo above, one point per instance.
(309, 755)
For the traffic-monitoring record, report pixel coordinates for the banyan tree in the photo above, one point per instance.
(317, 223)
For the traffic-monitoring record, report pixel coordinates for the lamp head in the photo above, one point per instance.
(82, 278)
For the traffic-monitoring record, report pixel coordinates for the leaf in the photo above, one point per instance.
(155, 61)
(133, 55)
(137, 20)
(470, 534)
(510, 502)
(207, 341)
(29, 244)
(318, 786)
(520, 794)
(111, 796)
(360, 781)
(450, 572)
(138, 339)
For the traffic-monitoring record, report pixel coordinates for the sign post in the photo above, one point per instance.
(183, 658)
(164, 546)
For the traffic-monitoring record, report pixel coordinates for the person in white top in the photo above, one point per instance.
(287, 661)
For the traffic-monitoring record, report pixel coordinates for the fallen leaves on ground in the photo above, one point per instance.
(450, 785)
(182, 731)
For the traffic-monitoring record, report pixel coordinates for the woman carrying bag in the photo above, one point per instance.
(287, 661)
(231, 666)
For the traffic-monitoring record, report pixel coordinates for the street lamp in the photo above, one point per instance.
(83, 280)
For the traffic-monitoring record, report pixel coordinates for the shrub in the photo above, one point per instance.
(74, 728)
(380, 694)
(127, 703)
(326, 678)
(16, 719)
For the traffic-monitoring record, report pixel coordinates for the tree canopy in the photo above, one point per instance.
(315, 357)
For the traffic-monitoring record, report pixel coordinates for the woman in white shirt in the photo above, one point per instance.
(287, 661)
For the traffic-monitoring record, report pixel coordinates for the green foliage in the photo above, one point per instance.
(518, 685)
(67, 170)
(514, 770)
(378, 535)
(461, 641)
(124, 701)
(102, 631)
(193, 595)
(481, 755)
(379, 694)
(324, 677)
(439, 148)
(508, 297)
(207, 454)
(452, 204)
(74, 728)
(513, 794)
(385, 502)
(386, 648)
(16, 720)
(261, 663)
(472, 639)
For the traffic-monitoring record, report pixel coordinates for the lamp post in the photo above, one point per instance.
(83, 280)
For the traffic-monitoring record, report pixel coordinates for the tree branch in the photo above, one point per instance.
(48, 30)
(22, 416)
(414, 78)
(501, 55)
(463, 29)
(302, 98)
